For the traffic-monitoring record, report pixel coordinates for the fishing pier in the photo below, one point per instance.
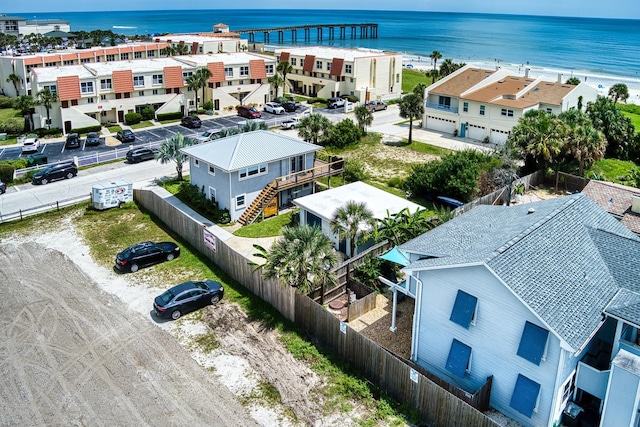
(363, 31)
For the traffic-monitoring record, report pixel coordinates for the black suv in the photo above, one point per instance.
(192, 122)
(60, 171)
(73, 141)
(146, 253)
(140, 154)
(125, 135)
(289, 106)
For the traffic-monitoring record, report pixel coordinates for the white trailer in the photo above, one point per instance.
(110, 194)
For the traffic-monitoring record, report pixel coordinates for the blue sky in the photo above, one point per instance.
(629, 9)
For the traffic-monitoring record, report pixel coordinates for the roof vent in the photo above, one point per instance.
(635, 204)
(500, 81)
(530, 211)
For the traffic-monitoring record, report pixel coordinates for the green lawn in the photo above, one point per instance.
(268, 228)
(144, 124)
(7, 113)
(410, 78)
(114, 128)
(613, 170)
(635, 119)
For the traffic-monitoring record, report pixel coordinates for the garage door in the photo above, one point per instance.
(499, 136)
(441, 125)
(475, 132)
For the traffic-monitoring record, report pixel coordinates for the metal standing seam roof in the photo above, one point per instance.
(248, 149)
(566, 261)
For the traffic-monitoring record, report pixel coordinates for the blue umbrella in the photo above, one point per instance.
(397, 256)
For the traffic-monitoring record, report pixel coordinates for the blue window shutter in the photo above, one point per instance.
(533, 343)
(525, 395)
(463, 309)
(458, 359)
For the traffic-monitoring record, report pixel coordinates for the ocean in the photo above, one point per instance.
(580, 46)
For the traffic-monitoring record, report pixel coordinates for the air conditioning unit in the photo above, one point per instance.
(635, 204)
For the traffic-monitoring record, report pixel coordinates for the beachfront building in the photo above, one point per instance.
(485, 104)
(542, 297)
(101, 92)
(328, 72)
(16, 25)
(207, 43)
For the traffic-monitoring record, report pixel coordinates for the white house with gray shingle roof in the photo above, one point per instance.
(544, 297)
(235, 169)
(479, 104)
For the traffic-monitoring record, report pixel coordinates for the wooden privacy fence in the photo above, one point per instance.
(435, 404)
(570, 183)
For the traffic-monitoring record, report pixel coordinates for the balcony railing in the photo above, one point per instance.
(441, 107)
(592, 380)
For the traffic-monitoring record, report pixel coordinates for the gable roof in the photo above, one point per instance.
(250, 148)
(615, 199)
(565, 261)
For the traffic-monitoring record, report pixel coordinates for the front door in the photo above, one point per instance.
(463, 130)
(120, 116)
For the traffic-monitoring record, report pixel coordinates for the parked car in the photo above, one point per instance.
(192, 122)
(273, 108)
(145, 254)
(290, 123)
(93, 138)
(206, 136)
(187, 297)
(60, 171)
(248, 112)
(137, 155)
(73, 141)
(376, 106)
(3, 187)
(290, 106)
(125, 135)
(335, 103)
(29, 142)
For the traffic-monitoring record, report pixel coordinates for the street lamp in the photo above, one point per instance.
(37, 33)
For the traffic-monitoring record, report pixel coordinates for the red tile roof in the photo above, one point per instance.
(194, 47)
(68, 88)
(309, 63)
(33, 61)
(173, 77)
(217, 72)
(122, 81)
(284, 56)
(336, 67)
(257, 69)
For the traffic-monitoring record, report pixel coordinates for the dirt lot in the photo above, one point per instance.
(80, 346)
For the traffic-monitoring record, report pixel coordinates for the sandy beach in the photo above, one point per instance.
(601, 82)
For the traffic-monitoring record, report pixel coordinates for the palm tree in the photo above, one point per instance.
(363, 116)
(193, 84)
(435, 55)
(276, 81)
(619, 91)
(169, 151)
(46, 98)
(202, 76)
(573, 81)
(419, 90)
(616, 127)
(181, 49)
(411, 107)
(350, 220)
(284, 68)
(168, 51)
(314, 127)
(404, 225)
(15, 79)
(252, 125)
(25, 104)
(301, 258)
(585, 143)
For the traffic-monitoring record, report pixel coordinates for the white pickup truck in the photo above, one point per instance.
(291, 123)
(29, 143)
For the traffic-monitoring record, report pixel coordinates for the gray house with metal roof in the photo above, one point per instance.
(256, 172)
(544, 297)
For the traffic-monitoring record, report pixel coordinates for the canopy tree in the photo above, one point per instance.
(169, 151)
(616, 127)
(350, 220)
(25, 104)
(411, 107)
(619, 91)
(46, 98)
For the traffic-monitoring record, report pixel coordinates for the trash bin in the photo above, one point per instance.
(3, 136)
(571, 415)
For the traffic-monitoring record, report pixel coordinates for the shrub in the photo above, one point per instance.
(344, 133)
(280, 100)
(42, 132)
(354, 171)
(351, 98)
(94, 128)
(169, 116)
(148, 113)
(6, 172)
(207, 105)
(315, 100)
(197, 199)
(6, 102)
(132, 118)
(395, 182)
(12, 126)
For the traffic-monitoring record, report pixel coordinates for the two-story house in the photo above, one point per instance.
(485, 105)
(255, 172)
(330, 72)
(544, 297)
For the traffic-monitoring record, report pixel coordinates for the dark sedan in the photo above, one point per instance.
(93, 138)
(141, 154)
(145, 254)
(191, 122)
(125, 135)
(187, 297)
(289, 106)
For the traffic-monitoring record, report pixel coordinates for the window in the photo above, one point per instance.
(155, 91)
(525, 396)
(465, 107)
(506, 112)
(533, 343)
(464, 310)
(52, 88)
(85, 60)
(568, 387)
(240, 201)
(141, 93)
(347, 68)
(228, 71)
(459, 360)
(549, 111)
(398, 78)
(444, 102)
(91, 100)
(269, 68)
(137, 55)
(103, 98)
(138, 80)
(244, 71)
(293, 61)
(229, 83)
(482, 110)
(67, 62)
(50, 64)
(212, 170)
(253, 170)
(196, 163)
(86, 87)
(212, 195)
(111, 58)
(105, 84)
(319, 65)
(301, 62)
(186, 75)
(157, 79)
(151, 54)
(124, 56)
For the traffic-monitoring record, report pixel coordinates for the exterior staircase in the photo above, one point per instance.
(256, 207)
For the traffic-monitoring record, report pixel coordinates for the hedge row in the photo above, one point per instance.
(94, 128)
(169, 116)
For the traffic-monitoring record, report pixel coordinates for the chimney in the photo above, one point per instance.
(559, 77)
(526, 72)
(635, 204)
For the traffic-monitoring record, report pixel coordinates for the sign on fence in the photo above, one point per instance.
(209, 240)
